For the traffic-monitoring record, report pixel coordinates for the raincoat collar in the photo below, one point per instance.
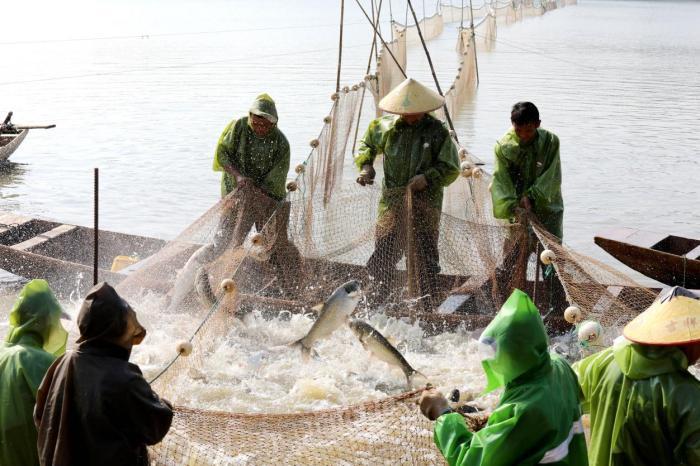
(643, 361)
(105, 349)
(37, 312)
(514, 343)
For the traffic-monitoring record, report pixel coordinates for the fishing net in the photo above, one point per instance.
(444, 267)
(388, 72)
(430, 27)
(463, 14)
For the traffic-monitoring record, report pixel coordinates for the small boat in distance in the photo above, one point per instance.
(669, 259)
(11, 136)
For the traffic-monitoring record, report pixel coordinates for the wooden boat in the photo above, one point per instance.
(669, 259)
(11, 136)
(10, 142)
(62, 253)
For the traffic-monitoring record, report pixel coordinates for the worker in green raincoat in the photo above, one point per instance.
(419, 159)
(643, 402)
(254, 155)
(527, 172)
(36, 338)
(538, 418)
(253, 150)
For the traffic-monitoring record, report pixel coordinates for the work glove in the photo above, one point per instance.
(433, 404)
(367, 175)
(418, 183)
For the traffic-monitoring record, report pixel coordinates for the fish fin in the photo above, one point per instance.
(317, 308)
(416, 380)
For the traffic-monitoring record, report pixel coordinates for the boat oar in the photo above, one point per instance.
(34, 127)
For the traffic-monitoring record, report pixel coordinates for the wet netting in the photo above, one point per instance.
(444, 265)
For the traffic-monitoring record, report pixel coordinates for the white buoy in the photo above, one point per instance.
(548, 256)
(572, 314)
(299, 169)
(184, 348)
(314, 143)
(589, 332)
(292, 186)
(228, 285)
(465, 165)
(462, 152)
(334, 96)
(327, 120)
(256, 239)
(477, 172)
(452, 134)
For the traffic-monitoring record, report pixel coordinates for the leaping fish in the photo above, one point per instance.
(333, 314)
(375, 343)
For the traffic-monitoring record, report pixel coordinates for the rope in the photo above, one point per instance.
(340, 45)
(432, 70)
(388, 49)
(369, 66)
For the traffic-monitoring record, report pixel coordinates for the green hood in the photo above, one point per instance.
(38, 312)
(643, 361)
(514, 342)
(265, 107)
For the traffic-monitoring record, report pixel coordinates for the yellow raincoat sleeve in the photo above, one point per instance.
(370, 144)
(546, 190)
(503, 193)
(446, 167)
(224, 147)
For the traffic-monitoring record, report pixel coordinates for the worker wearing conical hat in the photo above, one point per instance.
(420, 158)
(644, 404)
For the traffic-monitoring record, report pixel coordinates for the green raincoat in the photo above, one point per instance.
(538, 419)
(264, 160)
(644, 405)
(36, 338)
(410, 150)
(532, 170)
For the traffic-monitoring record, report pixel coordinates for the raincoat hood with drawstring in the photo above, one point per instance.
(537, 420)
(35, 339)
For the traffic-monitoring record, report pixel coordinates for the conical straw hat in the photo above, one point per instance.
(411, 97)
(673, 319)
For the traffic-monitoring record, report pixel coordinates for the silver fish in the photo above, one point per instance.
(203, 287)
(375, 343)
(334, 313)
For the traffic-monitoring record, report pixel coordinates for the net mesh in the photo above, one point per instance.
(284, 256)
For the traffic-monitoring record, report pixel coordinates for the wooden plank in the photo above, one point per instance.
(44, 237)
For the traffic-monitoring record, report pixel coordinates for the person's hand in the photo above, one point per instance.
(418, 183)
(525, 203)
(367, 175)
(433, 404)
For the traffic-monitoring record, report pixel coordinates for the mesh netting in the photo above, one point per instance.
(430, 27)
(445, 267)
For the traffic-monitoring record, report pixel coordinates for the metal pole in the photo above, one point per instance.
(388, 49)
(96, 228)
(476, 61)
(340, 45)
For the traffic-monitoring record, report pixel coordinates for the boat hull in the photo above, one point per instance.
(10, 143)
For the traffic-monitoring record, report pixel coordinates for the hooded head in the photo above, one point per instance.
(105, 316)
(38, 312)
(264, 106)
(514, 342)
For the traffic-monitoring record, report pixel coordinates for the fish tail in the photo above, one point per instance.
(306, 352)
(416, 380)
